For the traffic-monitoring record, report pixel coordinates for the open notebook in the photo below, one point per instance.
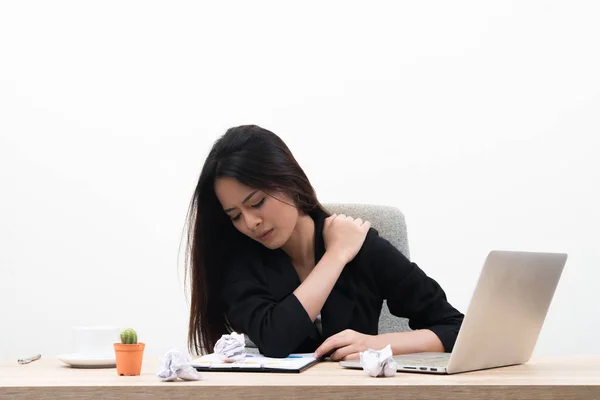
(256, 363)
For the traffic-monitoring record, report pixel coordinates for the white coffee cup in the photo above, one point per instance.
(95, 341)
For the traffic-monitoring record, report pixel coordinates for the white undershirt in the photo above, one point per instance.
(319, 324)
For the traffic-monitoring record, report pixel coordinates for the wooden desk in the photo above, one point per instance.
(542, 378)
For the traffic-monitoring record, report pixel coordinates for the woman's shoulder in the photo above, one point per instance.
(377, 248)
(373, 241)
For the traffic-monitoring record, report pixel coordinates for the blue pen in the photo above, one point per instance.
(295, 357)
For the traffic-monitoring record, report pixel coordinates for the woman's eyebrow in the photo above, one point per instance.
(245, 200)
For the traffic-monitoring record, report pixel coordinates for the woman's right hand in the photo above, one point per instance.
(344, 235)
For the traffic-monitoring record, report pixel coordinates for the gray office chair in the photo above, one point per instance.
(391, 225)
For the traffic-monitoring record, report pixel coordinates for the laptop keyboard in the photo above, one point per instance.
(425, 362)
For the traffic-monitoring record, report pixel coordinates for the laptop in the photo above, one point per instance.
(504, 319)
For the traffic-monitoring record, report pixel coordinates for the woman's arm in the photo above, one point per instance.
(344, 237)
(278, 327)
(313, 292)
(348, 344)
(410, 293)
(418, 341)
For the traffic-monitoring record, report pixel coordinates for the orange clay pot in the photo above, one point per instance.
(129, 358)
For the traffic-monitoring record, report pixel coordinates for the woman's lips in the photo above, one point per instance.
(266, 235)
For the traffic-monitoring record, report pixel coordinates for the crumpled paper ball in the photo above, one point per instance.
(177, 364)
(378, 362)
(231, 348)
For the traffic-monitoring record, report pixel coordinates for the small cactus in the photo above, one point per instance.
(128, 336)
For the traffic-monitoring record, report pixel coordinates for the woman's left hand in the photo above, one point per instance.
(347, 345)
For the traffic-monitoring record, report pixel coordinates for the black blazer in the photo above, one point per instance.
(258, 295)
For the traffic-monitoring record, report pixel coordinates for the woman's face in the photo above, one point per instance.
(267, 218)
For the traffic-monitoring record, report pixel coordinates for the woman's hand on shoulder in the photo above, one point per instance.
(344, 235)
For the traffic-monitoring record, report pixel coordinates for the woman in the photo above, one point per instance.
(266, 259)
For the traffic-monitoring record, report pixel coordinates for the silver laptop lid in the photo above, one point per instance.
(507, 310)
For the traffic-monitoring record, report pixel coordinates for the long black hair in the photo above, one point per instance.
(257, 158)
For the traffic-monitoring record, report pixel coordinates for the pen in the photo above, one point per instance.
(28, 360)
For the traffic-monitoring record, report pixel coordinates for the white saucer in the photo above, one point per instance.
(84, 361)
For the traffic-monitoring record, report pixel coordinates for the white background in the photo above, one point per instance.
(479, 120)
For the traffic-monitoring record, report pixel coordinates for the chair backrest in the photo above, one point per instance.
(391, 225)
